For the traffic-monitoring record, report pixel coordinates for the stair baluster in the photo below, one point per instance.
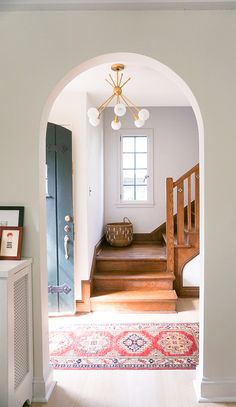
(185, 227)
(169, 225)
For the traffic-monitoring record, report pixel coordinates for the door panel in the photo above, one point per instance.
(59, 205)
(51, 199)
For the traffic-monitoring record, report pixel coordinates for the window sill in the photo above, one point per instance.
(135, 205)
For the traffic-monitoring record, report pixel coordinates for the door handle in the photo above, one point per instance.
(68, 218)
(66, 240)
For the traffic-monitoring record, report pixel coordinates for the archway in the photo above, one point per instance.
(125, 57)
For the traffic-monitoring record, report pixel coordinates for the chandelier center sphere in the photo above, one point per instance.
(117, 90)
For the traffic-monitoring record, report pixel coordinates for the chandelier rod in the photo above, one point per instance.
(129, 107)
(105, 103)
(125, 82)
(131, 103)
(109, 82)
(121, 76)
(112, 80)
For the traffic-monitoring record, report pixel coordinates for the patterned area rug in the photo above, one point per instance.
(125, 346)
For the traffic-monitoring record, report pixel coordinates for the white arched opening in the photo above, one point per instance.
(109, 58)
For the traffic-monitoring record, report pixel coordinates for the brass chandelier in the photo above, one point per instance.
(122, 103)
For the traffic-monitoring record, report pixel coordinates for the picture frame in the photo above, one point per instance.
(11, 242)
(11, 216)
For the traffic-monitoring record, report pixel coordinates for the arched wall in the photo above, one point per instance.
(37, 50)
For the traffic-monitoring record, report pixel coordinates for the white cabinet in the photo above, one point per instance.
(16, 370)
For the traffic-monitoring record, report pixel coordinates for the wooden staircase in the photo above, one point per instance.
(182, 229)
(147, 275)
(133, 278)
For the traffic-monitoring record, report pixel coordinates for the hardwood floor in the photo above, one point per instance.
(129, 388)
(139, 251)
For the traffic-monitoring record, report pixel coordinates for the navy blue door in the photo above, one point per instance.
(60, 233)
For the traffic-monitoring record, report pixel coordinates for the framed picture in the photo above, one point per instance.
(11, 215)
(10, 242)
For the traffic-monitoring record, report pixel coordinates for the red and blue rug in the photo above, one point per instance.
(125, 346)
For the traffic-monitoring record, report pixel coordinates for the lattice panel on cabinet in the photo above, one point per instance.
(21, 330)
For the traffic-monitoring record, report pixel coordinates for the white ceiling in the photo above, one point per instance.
(116, 4)
(147, 87)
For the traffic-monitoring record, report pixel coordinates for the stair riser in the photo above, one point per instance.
(113, 284)
(134, 306)
(130, 265)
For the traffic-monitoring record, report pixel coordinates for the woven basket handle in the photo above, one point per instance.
(124, 219)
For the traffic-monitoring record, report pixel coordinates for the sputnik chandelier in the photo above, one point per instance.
(122, 102)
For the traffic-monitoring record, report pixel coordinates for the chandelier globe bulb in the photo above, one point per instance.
(139, 123)
(143, 114)
(120, 109)
(93, 113)
(94, 121)
(116, 125)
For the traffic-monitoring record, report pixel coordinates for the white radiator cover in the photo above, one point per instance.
(15, 333)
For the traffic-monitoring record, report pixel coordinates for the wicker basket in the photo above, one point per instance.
(120, 234)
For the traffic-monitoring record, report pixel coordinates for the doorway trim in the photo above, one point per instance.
(43, 391)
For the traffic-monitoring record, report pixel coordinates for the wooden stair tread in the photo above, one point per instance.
(186, 243)
(134, 296)
(137, 251)
(134, 275)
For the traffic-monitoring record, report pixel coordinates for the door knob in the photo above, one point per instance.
(68, 218)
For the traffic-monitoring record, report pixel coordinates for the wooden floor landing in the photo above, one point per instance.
(139, 251)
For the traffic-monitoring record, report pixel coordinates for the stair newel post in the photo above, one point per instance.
(180, 213)
(189, 209)
(197, 200)
(169, 225)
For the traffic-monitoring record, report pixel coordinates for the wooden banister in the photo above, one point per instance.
(182, 184)
(169, 225)
(186, 175)
(180, 213)
(189, 210)
(197, 200)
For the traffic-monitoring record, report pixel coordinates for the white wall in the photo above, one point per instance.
(175, 151)
(87, 153)
(39, 53)
(95, 184)
(192, 273)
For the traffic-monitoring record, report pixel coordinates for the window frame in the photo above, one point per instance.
(150, 146)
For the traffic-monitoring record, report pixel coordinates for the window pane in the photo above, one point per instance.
(128, 144)
(128, 177)
(128, 193)
(141, 144)
(128, 160)
(141, 193)
(141, 160)
(141, 177)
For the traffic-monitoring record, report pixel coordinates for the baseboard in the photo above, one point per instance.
(43, 388)
(215, 390)
(84, 305)
(189, 292)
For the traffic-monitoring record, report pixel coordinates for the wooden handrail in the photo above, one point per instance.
(181, 186)
(186, 175)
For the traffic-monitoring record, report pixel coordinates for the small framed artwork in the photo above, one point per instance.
(11, 215)
(10, 242)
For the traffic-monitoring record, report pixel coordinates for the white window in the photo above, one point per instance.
(136, 167)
